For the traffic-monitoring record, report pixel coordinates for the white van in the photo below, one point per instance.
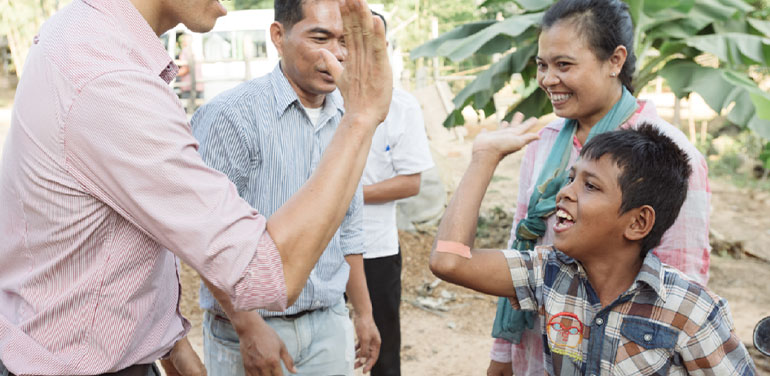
(237, 49)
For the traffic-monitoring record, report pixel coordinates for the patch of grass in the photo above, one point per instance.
(726, 165)
(735, 159)
(742, 181)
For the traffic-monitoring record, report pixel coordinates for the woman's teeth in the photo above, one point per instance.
(560, 97)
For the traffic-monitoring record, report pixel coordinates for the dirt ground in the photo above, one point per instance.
(457, 341)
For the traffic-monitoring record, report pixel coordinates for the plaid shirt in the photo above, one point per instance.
(664, 324)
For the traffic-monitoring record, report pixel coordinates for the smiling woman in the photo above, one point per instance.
(579, 84)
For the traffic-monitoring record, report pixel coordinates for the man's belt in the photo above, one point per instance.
(292, 316)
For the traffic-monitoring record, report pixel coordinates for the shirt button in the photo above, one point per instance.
(648, 337)
(599, 321)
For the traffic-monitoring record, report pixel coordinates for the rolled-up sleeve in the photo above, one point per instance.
(263, 283)
(527, 273)
(352, 228)
(134, 151)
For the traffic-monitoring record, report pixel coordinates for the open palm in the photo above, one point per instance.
(509, 138)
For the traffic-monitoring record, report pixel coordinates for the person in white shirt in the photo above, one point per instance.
(398, 156)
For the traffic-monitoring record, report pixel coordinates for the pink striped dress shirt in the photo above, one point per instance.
(684, 246)
(100, 179)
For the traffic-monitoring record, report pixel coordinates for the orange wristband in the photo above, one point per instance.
(456, 248)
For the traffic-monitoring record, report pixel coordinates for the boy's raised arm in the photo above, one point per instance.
(451, 258)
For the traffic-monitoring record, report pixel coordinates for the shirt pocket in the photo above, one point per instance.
(646, 348)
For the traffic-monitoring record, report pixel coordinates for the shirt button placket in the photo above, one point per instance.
(595, 346)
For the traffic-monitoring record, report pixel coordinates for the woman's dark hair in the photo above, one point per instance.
(606, 24)
(654, 171)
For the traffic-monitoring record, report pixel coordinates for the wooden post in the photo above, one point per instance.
(677, 120)
(247, 68)
(691, 122)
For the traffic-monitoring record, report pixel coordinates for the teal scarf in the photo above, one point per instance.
(509, 324)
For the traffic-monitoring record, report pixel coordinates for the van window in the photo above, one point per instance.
(234, 45)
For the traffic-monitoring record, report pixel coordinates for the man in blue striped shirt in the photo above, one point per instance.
(267, 136)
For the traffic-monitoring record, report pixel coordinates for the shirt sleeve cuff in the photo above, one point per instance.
(501, 351)
(262, 284)
(353, 245)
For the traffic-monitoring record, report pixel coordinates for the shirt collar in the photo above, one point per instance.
(285, 95)
(564, 259)
(147, 48)
(651, 274)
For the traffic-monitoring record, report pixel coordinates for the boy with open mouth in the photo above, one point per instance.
(608, 305)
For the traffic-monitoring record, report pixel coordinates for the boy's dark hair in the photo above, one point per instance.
(288, 12)
(654, 172)
(606, 24)
(384, 23)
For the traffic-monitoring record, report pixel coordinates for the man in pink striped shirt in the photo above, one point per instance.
(102, 187)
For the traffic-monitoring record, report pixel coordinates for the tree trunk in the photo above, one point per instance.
(20, 21)
(19, 49)
(677, 111)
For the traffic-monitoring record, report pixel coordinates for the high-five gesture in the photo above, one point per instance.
(366, 79)
(509, 138)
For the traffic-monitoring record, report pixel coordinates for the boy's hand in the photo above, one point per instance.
(511, 137)
(499, 369)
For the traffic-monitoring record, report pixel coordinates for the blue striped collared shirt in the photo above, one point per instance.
(259, 135)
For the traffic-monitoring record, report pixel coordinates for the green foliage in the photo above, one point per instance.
(741, 157)
(721, 87)
(671, 38)
(252, 4)
(764, 156)
(409, 24)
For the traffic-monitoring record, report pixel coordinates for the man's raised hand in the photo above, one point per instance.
(365, 79)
